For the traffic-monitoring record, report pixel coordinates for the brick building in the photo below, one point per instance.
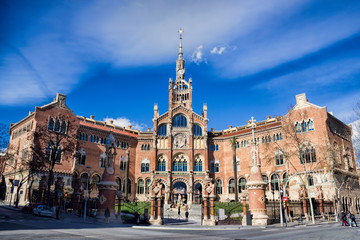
(306, 153)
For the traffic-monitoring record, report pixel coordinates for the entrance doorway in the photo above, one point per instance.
(198, 193)
(179, 193)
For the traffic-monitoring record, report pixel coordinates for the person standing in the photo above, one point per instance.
(107, 214)
(187, 215)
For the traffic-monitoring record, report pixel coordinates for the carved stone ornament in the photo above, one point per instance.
(102, 199)
(110, 170)
(180, 140)
(209, 188)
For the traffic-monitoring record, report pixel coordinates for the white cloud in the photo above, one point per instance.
(218, 50)
(124, 122)
(197, 55)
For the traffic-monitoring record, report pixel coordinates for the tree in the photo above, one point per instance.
(297, 149)
(21, 167)
(233, 143)
(53, 141)
(356, 132)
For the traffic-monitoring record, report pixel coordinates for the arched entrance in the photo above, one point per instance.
(179, 193)
(198, 193)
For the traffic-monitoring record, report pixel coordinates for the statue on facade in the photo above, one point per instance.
(302, 192)
(319, 192)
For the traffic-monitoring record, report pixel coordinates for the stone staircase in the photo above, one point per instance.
(171, 215)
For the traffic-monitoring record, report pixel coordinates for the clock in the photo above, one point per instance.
(181, 71)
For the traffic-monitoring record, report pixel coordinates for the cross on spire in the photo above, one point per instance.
(252, 122)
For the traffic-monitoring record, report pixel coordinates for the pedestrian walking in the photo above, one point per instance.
(179, 211)
(187, 215)
(348, 218)
(107, 214)
(343, 218)
(353, 219)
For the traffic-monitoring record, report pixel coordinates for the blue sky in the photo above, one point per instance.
(113, 59)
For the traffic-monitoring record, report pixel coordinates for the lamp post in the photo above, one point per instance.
(86, 195)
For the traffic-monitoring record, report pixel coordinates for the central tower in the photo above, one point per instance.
(180, 90)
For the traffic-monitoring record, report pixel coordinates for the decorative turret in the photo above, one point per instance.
(180, 91)
(256, 185)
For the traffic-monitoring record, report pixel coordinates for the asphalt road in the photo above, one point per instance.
(15, 225)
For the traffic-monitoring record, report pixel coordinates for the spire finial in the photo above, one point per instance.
(180, 44)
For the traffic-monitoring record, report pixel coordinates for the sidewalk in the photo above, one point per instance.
(69, 218)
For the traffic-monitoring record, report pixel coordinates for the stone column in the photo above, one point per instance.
(159, 212)
(305, 208)
(205, 208)
(320, 197)
(209, 211)
(212, 208)
(156, 204)
(152, 208)
(256, 190)
(243, 202)
(108, 186)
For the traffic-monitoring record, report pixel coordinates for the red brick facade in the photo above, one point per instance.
(307, 146)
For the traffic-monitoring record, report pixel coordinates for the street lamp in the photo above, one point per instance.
(86, 194)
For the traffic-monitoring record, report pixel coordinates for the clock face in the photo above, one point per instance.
(181, 71)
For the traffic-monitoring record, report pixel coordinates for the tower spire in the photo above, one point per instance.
(180, 44)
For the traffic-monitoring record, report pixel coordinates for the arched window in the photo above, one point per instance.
(215, 166)
(310, 125)
(94, 181)
(81, 157)
(310, 180)
(180, 163)
(231, 187)
(265, 178)
(102, 160)
(128, 186)
(279, 158)
(179, 121)
(197, 130)
(147, 186)
(218, 186)
(298, 127)
(162, 130)
(275, 182)
(118, 181)
(53, 153)
(214, 147)
(304, 126)
(161, 163)
(51, 124)
(57, 125)
(84, 180)
(198, 164)
(285, 178)
(307, 154)
(242, 184)
(140, 189)
(145, 165)
(237, 165)
(63, 127)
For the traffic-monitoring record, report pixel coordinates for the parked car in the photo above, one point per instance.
(43, 210)
(28, 208)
